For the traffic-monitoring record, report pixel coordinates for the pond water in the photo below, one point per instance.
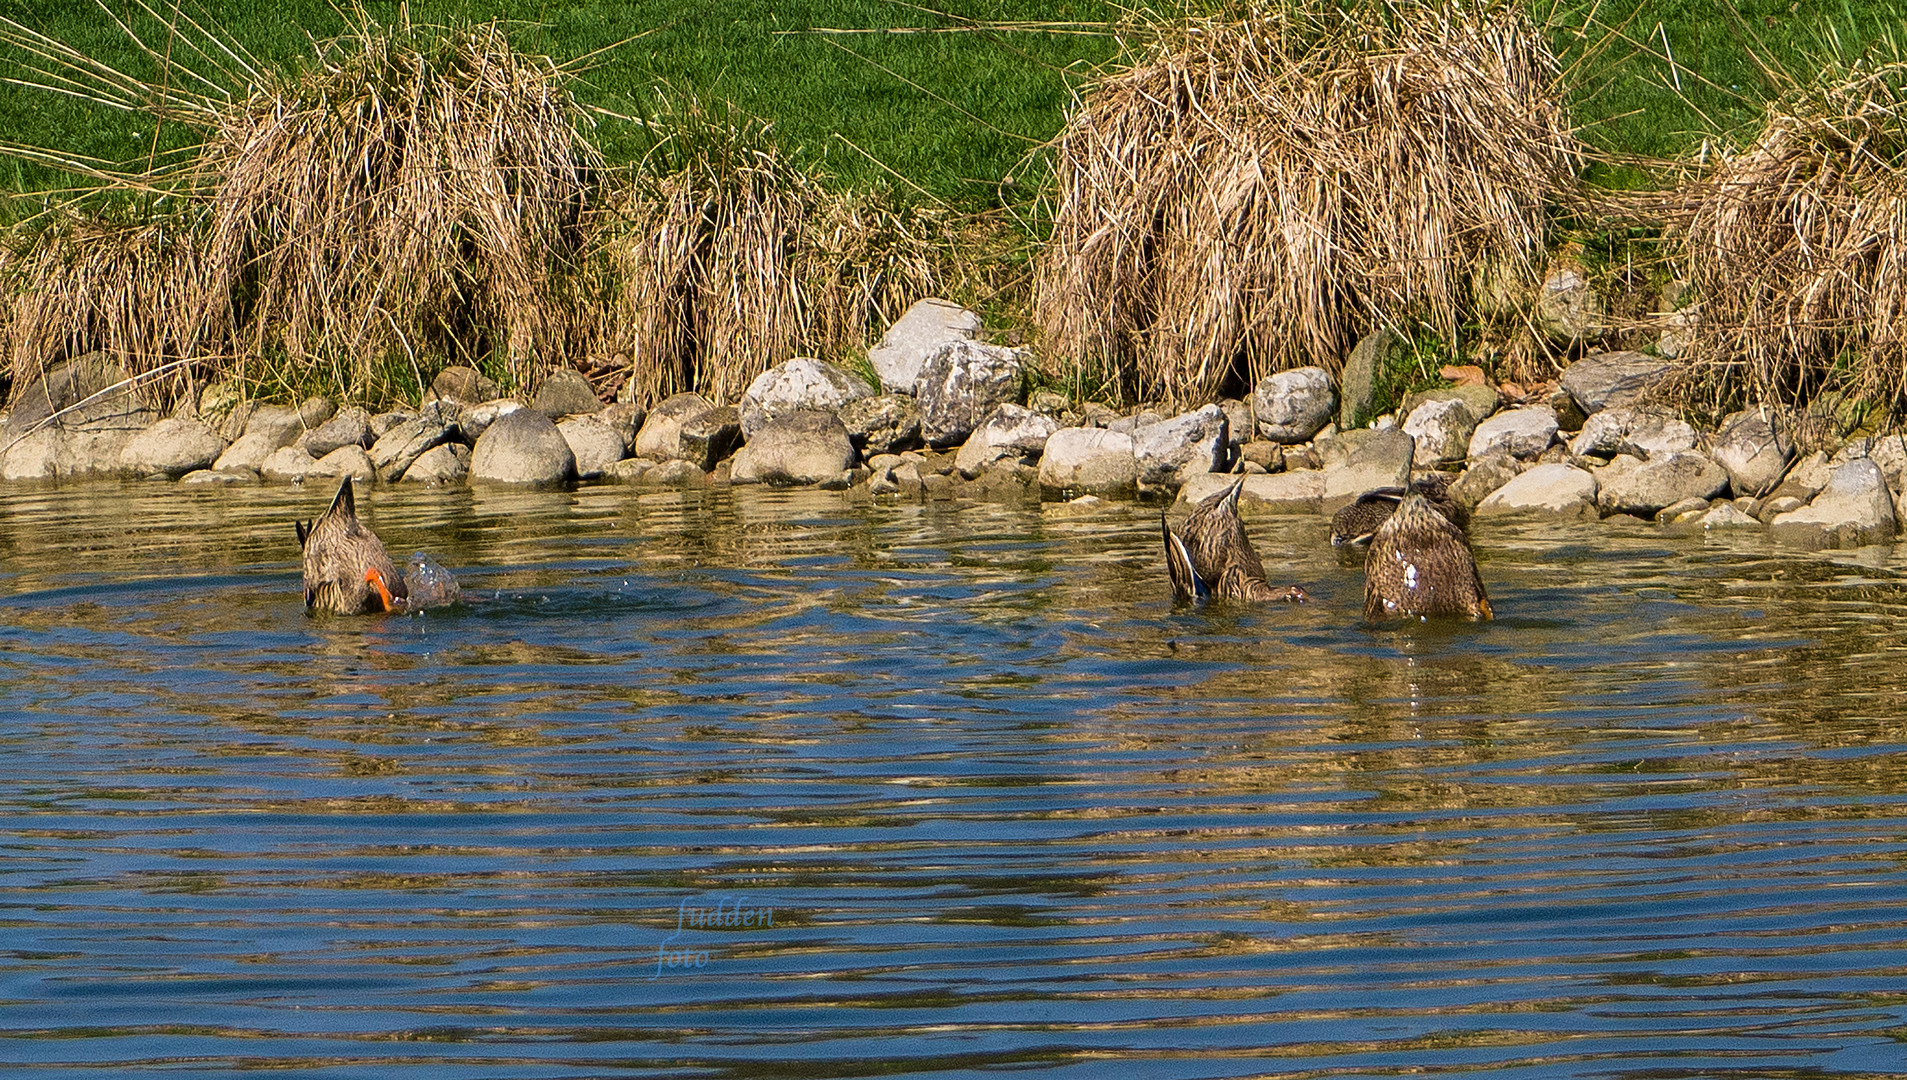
(768, 784)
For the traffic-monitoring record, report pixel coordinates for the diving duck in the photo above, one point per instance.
(346, 568)
(1356, 523)
(1420, 566)
(1209, 555)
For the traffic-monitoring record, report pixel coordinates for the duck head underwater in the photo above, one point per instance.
(1420, 566)
(347, 571)
(1210, 556)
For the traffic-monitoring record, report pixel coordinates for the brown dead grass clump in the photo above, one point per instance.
(727, 257)
(1259, 189)
(1797, 250)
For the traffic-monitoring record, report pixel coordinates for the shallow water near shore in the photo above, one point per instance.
(755, 783)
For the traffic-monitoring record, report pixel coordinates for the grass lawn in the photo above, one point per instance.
(950, 102)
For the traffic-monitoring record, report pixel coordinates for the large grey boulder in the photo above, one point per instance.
(625, 419)
(1726, 516)
(1358, 461)
(1484, 476)
(1292, 406)
(397, 448)
(64, 385)
(446, 463)
(566, 393)
(1602, 380)
(1357, 382)
(523, 447)
(289, 464)
(960, 383)
(1010, 432)
(347, 427)
(883, 424)
(1482, 399)
(1753, 450)
(1297, 492)
(1855, 508)
(1190, 443)
(1634, 431)
(687, 427)
(174, 446)
(1557, 489)
(1629, 485)
(803, 384)
(351, 461)
(248, 452)
(95, 419)
(925, 326)
(595, 445)
(1523, 433)
(463, 385)
(476, 419)
(809, 447)
(1442, 430)
(1091, 460)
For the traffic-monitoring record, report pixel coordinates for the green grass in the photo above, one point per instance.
(947, 116)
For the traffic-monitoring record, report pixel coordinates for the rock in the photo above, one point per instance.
(1358, 461)
(1300, 492)
(73, 421)
(1292, 406)
(1753, 450)
(277, 425)
(289, 464)
(1890, 453)
(522, 447)
(1191, 443)
(1678, 333)
(1357, 383)
(1005, 481)
(1727, 516)
(1633, 431)
(397, 448)
(446, 463)
(217, 476)
(677, 473)
(1126, 425)
(1089, 460)
(1547, 489)
(64, 385)
(1524, 433)
(803, 384)
(1484, 476)
(1807, 477)
(924, 328)
(1500, 286)
(314, 411)
(351, 461)
(1602, 380)
(595, 445)
(566, 393)
(1481, 399)
(1779, 505)
(1855, 508)
(1676, 511)
(1047, 401)
(478, 418)
(1239, 425)
(1629, 485)
(883, 424)
(1008, 433)
(174, 447)
(809, 447)
(383, 422)
(960, 383)
(1442, 430)
(625, 419)
(1267, 455)
(463, 385)
(347, 427)
(249, 452)
(687, 428)
(1567, 309)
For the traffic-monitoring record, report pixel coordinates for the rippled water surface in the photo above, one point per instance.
(976, 797)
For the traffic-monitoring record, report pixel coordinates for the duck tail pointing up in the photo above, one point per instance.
(1186, 583)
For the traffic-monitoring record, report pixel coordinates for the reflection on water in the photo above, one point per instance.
(1003, 806)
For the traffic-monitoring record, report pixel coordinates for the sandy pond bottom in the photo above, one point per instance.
(954, 790)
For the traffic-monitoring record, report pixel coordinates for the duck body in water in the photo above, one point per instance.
(1420, 566)
(348, 572)
(1356, 523)
(1209, 556)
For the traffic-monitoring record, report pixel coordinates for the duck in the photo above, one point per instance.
(1420, 566)
(1354, 525)
(1210, 556)
(347, 571)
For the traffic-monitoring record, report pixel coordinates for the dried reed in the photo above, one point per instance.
(1256, 190)
(1797, 249)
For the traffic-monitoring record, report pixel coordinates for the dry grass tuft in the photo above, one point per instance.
(726, 257)
(1797, 249)
(1259, 189)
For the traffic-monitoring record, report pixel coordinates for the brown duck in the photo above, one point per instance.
(1356, 523)
(1420, 566)
(1209, 555)
(346, 568)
